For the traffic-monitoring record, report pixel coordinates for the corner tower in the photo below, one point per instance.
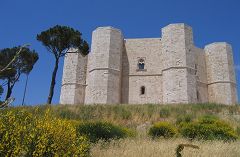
(74, 78)
(220, 73)
(105, 67)
(178, 74)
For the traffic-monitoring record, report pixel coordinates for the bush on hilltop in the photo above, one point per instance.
(105, 131)
(208, 128)
(162, 129)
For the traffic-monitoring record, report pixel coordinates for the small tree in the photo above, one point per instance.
(7, 67)
(58, 40)
(22, 64)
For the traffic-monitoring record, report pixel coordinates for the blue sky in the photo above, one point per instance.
(22, 20)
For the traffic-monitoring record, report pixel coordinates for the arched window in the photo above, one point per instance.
(141, 64)
(142, 92)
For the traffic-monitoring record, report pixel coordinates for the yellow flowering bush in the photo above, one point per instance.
(162, 129)
(23, 134)
(208, 128)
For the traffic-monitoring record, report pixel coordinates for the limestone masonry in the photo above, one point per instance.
(162, 70)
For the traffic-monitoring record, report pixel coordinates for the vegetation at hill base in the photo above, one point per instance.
(26, 134)
(162, 129)
(208, 128)
(105, 131)
(120, 130)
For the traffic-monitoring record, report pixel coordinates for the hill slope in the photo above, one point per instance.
(140, 118)
(135, 115)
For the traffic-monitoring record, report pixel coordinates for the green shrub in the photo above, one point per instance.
(238, 131)
(208, 129)
(24, 134)
(208, 119)
(164, 113)
(96, 131)
(185, 118)
(162, 129)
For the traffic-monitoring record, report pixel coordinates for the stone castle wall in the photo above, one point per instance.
(175, 71)
(201, 75)
(220, 73)
(179, 80)
(151, 77)
(74, 78)
(104, 67)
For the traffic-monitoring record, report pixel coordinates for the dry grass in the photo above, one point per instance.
(143, 147)
(135, 115)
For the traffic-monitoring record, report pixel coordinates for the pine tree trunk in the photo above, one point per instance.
(53, 82)
(9, 90)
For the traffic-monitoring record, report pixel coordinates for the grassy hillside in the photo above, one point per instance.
(136, 115)
(140, 118)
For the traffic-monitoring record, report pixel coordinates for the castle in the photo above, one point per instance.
(162, 70)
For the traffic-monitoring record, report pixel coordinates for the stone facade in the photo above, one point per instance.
(74, 78)
(162, 70)
(105, 67)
